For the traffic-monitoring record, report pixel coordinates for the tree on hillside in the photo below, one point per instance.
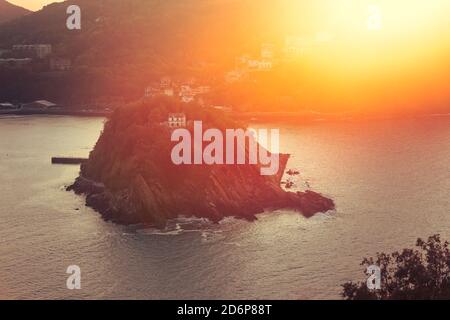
(413, 274)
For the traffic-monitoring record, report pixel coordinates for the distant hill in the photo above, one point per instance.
(125, 45)
(10, 12)
(116, 30)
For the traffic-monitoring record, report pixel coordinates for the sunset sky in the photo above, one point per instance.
(32, 4)
(380, 52)
(401, 62)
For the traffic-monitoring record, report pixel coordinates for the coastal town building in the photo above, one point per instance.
(150, 92)
(165, 82)
(40, 105)
(246, 64)
(187, 94)
(187, 98)
(223, 108)
(170, 92)
(40, 51)
(184, 92)
(15, 63)
(259, 65)
(7, 106)
(176, 120)
(60, 64)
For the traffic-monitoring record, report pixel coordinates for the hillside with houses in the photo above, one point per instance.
(207, 52)
(165, 49)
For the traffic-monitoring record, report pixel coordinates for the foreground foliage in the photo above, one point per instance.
(413, 274)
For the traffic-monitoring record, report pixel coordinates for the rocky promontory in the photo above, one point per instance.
(130, 178)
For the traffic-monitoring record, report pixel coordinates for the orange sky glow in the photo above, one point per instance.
(373, 53)
(398, 59)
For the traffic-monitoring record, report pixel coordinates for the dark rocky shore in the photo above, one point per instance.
(130, 179)
(152, 204)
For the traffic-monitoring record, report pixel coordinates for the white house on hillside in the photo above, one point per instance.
(176, 120)
(169, 92)
(165, 82)
(187, 98)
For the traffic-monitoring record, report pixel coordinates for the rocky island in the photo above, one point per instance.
(130, 178)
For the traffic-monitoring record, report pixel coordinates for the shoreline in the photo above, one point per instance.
(114, 207)
(99, 114)
(253, 117)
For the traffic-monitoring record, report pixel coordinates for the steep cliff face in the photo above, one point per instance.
(130, 177)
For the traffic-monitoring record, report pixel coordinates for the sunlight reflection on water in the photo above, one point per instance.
(390, 181)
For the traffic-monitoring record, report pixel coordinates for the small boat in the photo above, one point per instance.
(293, 172)
(289, 185)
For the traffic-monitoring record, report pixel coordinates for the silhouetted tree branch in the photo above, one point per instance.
(413, 274)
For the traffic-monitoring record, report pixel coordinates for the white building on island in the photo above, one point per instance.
(176, 120)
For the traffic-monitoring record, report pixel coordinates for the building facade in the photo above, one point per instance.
(40, 51)
(15, 63)
(176, 120)
(60, 64)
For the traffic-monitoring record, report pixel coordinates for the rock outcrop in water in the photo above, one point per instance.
(130, 178)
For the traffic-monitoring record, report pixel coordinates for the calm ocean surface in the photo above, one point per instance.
(390, 181)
